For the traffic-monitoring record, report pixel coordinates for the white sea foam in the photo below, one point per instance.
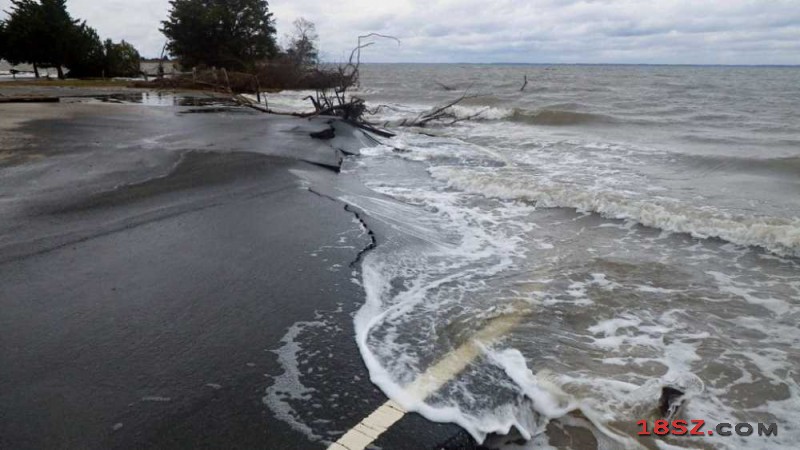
(288, 386)
(430, 273)
(410, 290)
(481, 112)
(613, 312)
(437, 277)
(778, 235)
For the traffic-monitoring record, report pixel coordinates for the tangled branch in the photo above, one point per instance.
(443, 113)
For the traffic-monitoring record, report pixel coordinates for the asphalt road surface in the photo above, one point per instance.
(158, 262)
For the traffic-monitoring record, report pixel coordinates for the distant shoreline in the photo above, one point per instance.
(795, 66)
(150, 63)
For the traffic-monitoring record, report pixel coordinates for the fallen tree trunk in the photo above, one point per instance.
(372, 129)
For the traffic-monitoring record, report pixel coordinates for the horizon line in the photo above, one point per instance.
(501, 63)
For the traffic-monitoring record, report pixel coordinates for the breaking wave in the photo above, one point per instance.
(548, 117)
(559, 118)
(778, 235)
(788, 166)
(504, 315)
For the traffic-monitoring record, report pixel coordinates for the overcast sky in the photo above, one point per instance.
(567, 31)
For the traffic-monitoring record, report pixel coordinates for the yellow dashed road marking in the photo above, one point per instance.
(368, 430)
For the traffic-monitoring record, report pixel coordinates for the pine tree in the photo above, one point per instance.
(24, 43)
(3, 40)
(233, 34)
(43, 33)
(40, 33)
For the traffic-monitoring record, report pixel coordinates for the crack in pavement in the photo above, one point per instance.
(373, 241)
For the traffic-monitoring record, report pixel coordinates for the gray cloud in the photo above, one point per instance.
(580, 31)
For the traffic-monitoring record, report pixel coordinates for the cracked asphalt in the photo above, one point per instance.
(153, 260)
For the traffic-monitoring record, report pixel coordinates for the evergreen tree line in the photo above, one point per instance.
(233, 34)
(238, 35)
(42, 33)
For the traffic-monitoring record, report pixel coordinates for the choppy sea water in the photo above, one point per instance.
(581, 244)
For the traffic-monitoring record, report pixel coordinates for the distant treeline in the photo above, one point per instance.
(43, 34)
(236, 35)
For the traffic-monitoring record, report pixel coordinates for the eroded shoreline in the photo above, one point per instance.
(151, 254)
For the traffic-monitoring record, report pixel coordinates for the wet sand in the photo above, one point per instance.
(151, 260)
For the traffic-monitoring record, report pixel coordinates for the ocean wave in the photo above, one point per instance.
(554, 117)
(778, 235)
(787, 166)
(549, 117)
(481, 112)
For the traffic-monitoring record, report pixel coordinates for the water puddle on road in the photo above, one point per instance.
(156, 99)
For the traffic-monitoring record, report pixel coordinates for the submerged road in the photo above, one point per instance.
(167, 281)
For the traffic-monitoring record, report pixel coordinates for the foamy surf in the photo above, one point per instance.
(611, 313)
(539, 399)
(543, 117)
(778, 235)
(513, 291)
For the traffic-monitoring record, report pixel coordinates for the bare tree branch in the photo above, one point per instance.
(364, 36)
(350, 109)
(442, 112)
